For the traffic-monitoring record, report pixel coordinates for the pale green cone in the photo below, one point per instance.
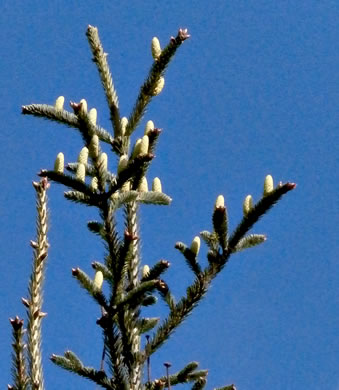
(144, 144)
(220, 202)
(126, 187)
(123, 162)
(149, 127)
(268, 185)
(94, 183)
(83, 105)
(103, 161)
(155, 47)
(143, 186)
(94, 146)
(136, 149)
(195, 246)
(124, 123)
(93, 116)
(156, 185)
(81, 172)
(145, 271)
(59, 163)
(247, 205)
(59, 103)
(83, 156)
(159, 87)
(98, 280)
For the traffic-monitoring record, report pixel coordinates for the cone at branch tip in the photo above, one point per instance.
(83, 156)
(98, 280)
(143, 186)
(156, 185)
(268, 185)
(144, 144)
(94, 146)
(81, 172)
(123, 123)
(159, 86)
(195, 246)
(93, 116)
(123, 162)
(103, 161)
(145, 270)
(136, 149)
(247, 205)
(155, 47)
(126, 186)
(59, 163)
(220, 202)
(94, 183)
(149, 127)
(83, 105)
(59, 103)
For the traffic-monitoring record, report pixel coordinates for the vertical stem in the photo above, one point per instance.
(35, 314)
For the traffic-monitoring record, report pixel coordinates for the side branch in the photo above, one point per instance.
(147, 89)
(62, 116)
(100, 59)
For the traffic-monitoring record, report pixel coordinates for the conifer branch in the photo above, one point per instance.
(80, 197)
(71, 365)
(190, 256)
(71, 182)
(19, 373)
(100, 59)
(157, 70)
(87, 283)
(257, 212)
(35, 298)
(65, 117)
(186, 375)
(146, 324)
(249, 241)
(156, 271)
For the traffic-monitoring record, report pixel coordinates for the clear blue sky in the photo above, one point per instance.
(254, 91)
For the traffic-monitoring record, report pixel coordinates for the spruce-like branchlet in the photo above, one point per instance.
(122, 286)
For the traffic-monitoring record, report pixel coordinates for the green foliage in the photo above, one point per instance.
(90, 182)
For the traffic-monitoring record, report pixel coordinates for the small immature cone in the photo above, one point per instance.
(83, 105)
(143, 186)
(94, 183)
(155, 47)
(247, 205)
(220, 202)
(83, 156)
(59, 103)
(156, 185)
(159, 87)
(103, 161)
(145, 270)
(98, 280)
(93, 116)
(123, 162)
(126, 187)
(136, 149)
(144, 144)
(195, 246)
(149, 127)
(124, 123)
(59, 163)
(268, 185)
(81, 172)
(94, 146)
